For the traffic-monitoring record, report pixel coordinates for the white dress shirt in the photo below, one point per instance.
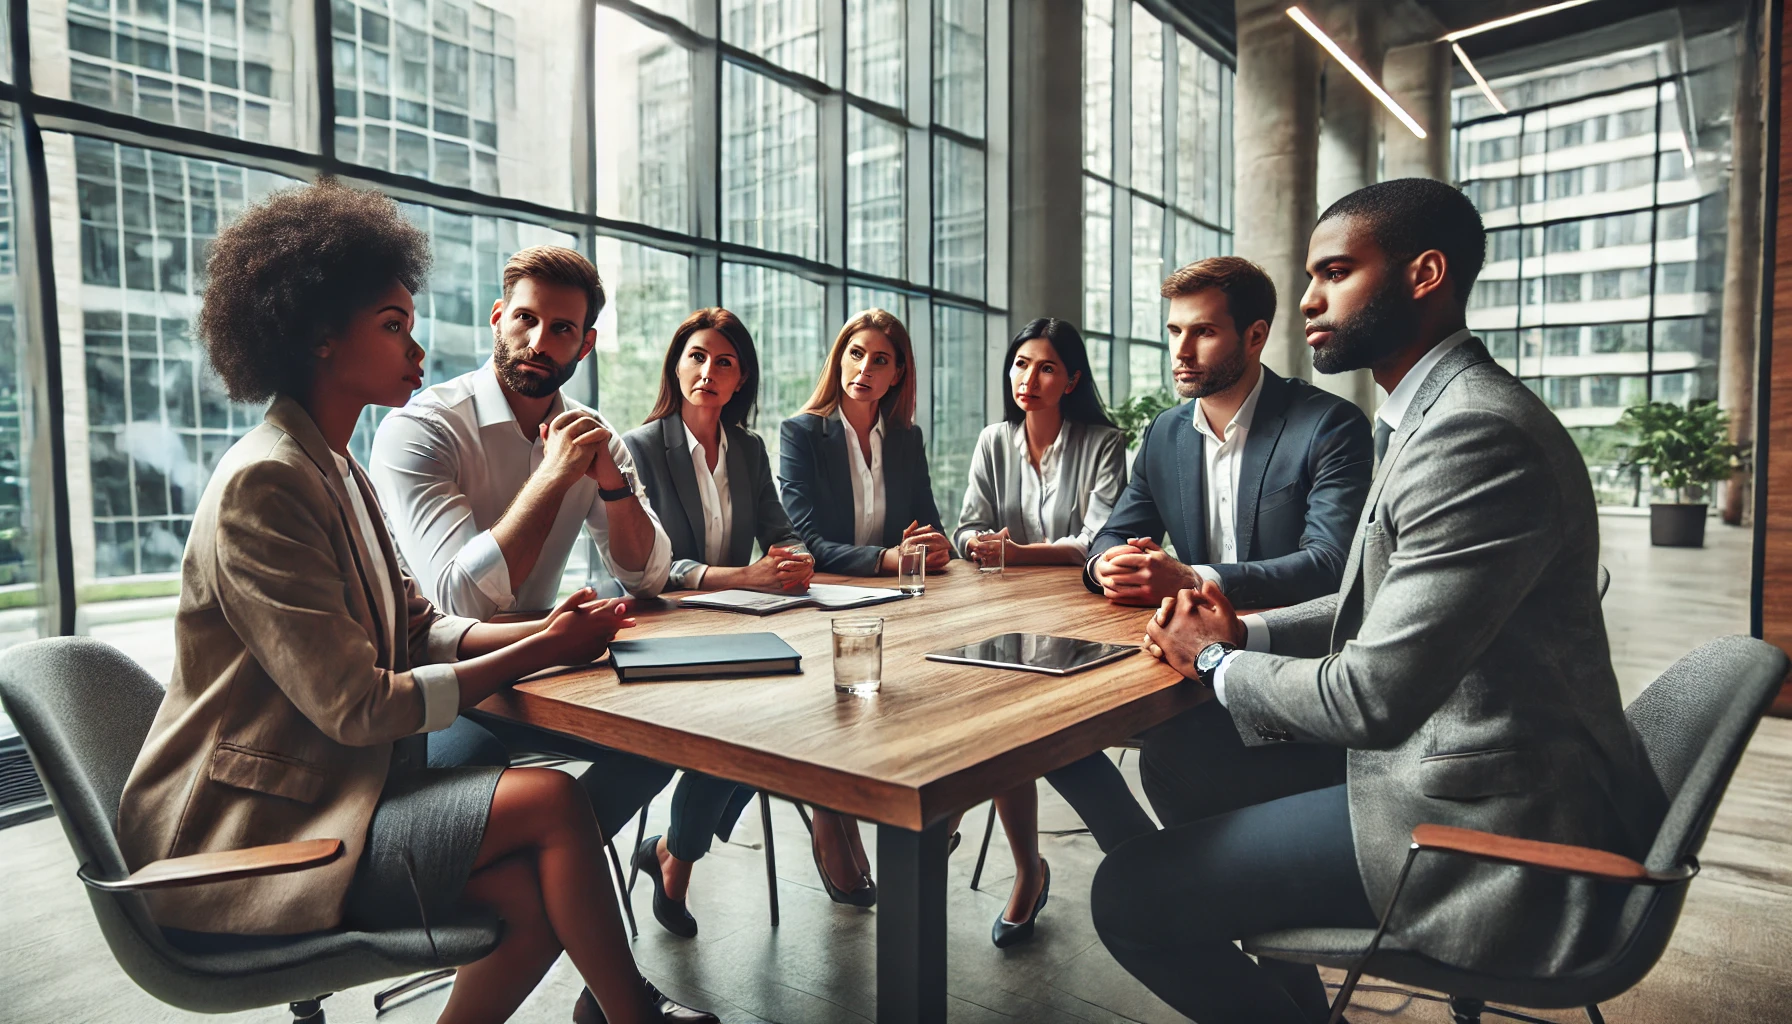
(439, 684)
(867, 482)
(718, 510)
(447, 466)
(1039, 486)
(1391, 412)
(1223, 458)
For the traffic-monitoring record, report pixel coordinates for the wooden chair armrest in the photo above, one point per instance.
(223, 866)
(1558, 857)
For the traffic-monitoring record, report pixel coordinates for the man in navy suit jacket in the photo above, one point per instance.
(1258, 481)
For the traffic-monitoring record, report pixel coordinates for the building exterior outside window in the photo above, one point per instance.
(1157, 182)
(1604, 195)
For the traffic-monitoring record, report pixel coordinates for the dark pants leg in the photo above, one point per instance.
(1169, 905)
(700, 810)
(1097, 791)
(1196, 765)
(618, 784)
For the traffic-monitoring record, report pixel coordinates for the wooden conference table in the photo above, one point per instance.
(937, 739)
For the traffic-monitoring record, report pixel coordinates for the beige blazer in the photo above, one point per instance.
(289, 690)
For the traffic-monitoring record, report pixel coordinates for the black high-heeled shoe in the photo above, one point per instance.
(670, 913)
(586, 1010)
(1008, 933)
(864, 896)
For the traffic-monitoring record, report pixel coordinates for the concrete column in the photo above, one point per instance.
(1418, 77)
(1736, 360)
(1045, 240)
(1349, 140)
(1275, 142)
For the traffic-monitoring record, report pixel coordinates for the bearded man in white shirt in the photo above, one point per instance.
(489, 478)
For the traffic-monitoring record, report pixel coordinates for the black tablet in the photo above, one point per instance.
(1035, 652)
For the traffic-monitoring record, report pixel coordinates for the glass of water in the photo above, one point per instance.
(992, 554)
(911, 568)
(858, 654)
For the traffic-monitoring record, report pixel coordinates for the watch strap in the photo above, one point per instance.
(625, 491)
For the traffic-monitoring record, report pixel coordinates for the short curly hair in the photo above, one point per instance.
(290, 271)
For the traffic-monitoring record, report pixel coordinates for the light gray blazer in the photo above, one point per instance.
(1091, 474)
(1464, 664)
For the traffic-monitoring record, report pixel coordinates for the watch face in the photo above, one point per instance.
(1209, 658)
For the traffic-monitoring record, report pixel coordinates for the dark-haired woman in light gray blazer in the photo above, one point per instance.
(1042, 484)
(709, 479)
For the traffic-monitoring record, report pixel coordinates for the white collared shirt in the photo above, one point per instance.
(1223, 459)
(1039, 486)
(439, 683)
(1391, 412)
(718, 509)
(867, 482)
(447, 466)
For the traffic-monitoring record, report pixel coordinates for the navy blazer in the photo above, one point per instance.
(1308, 459)
(662, 457)
(815, 479)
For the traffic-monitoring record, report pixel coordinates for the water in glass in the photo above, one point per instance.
(858, 655)
(992, 555)
(911, 568)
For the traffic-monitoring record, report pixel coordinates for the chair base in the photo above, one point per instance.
(1464, 1010)
(409, 988)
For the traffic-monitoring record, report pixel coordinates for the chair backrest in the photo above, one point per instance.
(83, 709)
(1695, 721)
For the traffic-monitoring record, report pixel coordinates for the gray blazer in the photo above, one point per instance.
(662, 458)
(1091, 472)
(1464, 664)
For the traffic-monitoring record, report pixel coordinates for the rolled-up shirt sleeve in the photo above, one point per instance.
(440, 686)
(459, 566)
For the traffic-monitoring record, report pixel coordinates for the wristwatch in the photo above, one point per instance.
(625, 491)
(1208, 661)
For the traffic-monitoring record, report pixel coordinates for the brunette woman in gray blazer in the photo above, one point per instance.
(1042, 484)
(708, 477)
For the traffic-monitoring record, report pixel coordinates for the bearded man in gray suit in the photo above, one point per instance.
(1463, 666)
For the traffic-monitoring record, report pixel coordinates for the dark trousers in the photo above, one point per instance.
(1095, 789)
(618, 784)
(1195, 766)
(1169, 905)
(703, 806)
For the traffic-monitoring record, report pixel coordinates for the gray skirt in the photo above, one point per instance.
(421, 846)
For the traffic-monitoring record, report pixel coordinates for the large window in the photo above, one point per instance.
(1157, 181)
(1605, 211)
(794, 160)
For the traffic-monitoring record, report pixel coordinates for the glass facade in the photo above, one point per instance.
(1604, 194)
(1157, 182)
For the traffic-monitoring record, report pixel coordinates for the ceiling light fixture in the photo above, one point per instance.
(1474, 73)
(1301, 19)
(1513, 19)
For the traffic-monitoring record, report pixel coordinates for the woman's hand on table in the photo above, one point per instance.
(982, 547)
(785, 567)
(939, 549)
(581, 626)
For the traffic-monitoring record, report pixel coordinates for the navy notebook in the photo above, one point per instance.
(698, 657)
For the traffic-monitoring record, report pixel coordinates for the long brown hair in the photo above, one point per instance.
(898, 403)
(737, 409)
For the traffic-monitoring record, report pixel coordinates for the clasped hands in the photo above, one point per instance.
(983, 544)
(1140, 572)
(578, 445)
(786, 566)
(939, 549)
(581, 626)
(1188, 622)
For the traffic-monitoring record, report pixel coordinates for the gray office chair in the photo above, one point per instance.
(1602, 579)
(84, 710)
(1695, 721)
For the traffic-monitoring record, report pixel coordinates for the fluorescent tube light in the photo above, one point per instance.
(1301, 19)
(1474, 73)
(1513, 19)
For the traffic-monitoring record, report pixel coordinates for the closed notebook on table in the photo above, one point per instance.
(699, 657)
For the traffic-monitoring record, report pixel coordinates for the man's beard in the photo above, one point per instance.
(519, 380)
(1386, 324)
(1218, 378)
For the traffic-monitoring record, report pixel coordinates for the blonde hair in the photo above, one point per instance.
(898, 403)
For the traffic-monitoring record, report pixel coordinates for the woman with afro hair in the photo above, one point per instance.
(308, 667)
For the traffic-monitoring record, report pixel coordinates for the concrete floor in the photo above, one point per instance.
(1727, 963)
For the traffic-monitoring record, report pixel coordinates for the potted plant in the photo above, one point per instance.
(1136, 413)
(1684, 447)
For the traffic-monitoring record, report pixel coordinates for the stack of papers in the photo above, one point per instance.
(831, 596)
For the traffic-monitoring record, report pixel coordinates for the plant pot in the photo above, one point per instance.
(1677, 526)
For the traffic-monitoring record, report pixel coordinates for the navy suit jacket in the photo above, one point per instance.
(1308, 459)
(815, 481)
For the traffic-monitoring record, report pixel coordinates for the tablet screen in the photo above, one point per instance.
(1035, 652)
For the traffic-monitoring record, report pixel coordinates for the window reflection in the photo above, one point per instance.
(785, 32)
(644, 128)
(875, 36)
(769, 194)
(959, 386)
(958, 92)
(649, 296)
(874, 207)
(958, 225)
(783, 313)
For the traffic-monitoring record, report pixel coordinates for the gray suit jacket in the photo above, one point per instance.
(1464, 664)
(662, 457)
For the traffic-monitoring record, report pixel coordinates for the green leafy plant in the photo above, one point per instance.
(1682, 446)
(1134, 414)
